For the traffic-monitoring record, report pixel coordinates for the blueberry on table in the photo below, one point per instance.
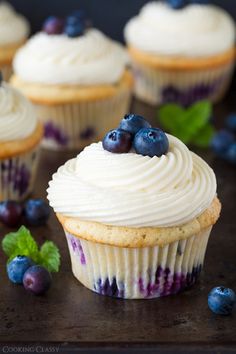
(53, 25)
(132, 123)
(151, 142)
(230, 154)
(221, 300)
(10, 213)
(17, 268)
(37, 279)
(117, 141)
(231, 122)
(222, 141)
(177, 4)
(36, 212)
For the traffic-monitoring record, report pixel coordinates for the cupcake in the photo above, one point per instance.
(14, 30)
(20, 136)
(77, 79)
(180, 53)
(137, 219)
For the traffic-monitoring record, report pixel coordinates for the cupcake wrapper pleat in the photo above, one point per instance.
(159, 86)
(17, 175)
(138, 273)
(74, 126)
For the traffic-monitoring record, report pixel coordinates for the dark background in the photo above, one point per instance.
(108, 15)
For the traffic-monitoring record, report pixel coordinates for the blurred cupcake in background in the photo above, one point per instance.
(77, 79)
(20, 136)
(14, 30)
(181, 51)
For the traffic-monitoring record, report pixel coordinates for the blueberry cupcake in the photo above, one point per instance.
(20, 136)
(14, 30)
(77, 79)
(137, 210)
(182, 51)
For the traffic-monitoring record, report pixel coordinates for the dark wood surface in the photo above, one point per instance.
(76, 319)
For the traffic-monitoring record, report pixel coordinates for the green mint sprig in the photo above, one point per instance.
(191, 125)
(22, 243)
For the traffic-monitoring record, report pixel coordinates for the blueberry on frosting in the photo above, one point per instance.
(134, 131)
(53, 25)
(132, 123)
(76, 24)
(117, 141)
(177, 4)
(151, 142)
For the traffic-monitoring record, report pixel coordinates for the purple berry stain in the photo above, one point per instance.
(77, 248)
(54, 133)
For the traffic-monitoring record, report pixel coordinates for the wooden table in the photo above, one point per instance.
(73, 319)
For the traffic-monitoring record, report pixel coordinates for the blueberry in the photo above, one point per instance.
(53, 25)
(76, 17)
(37, 279)
(151, 142)
(231, 122)
(10, 213)
(221, 300)
(17, 268)
(117, 141)
(75, 30)
(221, 141)
(177, 4)
(36, 212)
(132, 123)
(230, 154)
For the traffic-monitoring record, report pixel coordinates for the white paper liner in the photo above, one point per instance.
(17, 175)
(74, 126)
(6, 71)
(158, 86)
(138, 273)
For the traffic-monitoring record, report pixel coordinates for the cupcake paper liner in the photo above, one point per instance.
(6, 71)
(159, 86)
(73, 126)
(138, 273)
(17, 175)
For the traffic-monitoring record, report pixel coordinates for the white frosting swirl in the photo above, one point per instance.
(57, 59)
(17, 116)
(133, 190)
(14, 28)
(196, 30)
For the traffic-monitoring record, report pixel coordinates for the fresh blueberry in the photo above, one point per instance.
(177, 4)
(231, 122)
(76, 30)
(230, 154)
(36, 212)
(132, 123)
(17, 268)
(53, 25)
(221, 300)
(10, 213)
(221, 141)
(151, 142)
(76, 17)
(118, 141)
(37, 279)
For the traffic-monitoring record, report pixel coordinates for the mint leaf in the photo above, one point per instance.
(20, 243)
(49, 256)
(170, 116)
(196, 117)
(204, 136)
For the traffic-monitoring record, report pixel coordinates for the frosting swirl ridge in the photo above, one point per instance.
(13, 27)
(133, 190)
(17, 116)
(90, 59)
(196, 30)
